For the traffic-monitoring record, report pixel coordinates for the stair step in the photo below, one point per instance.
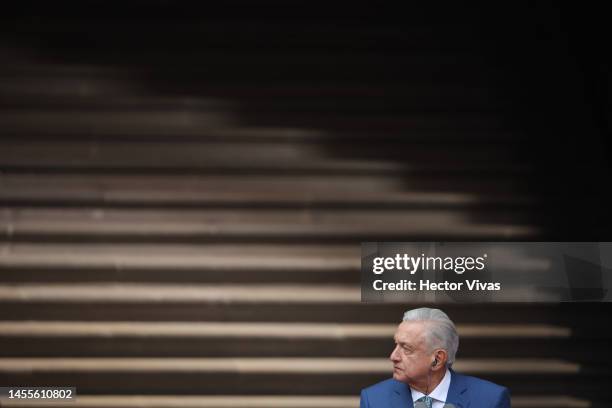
(270, 339)
(260, 401)
(265, 330)
(84, 98)
(331, 376)
(296, 65)
(272, 365)
(61, 346)
(103, 292)
(145, 293)
(44, 189)
(269, 311)
(14, 307)
(205, 401)
(244, 159)
(150, 132)
(178, 263)
(240, 155)
(286, 225)
(278, 339)
(94, 93)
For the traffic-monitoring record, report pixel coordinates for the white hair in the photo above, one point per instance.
(440, 332)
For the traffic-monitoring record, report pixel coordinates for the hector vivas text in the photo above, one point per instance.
(411, 265)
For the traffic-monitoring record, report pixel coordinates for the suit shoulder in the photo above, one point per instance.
(383, 386)
(484, 384)
(486, 389)
(380, 391)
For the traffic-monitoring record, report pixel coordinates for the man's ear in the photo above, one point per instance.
(440, 358)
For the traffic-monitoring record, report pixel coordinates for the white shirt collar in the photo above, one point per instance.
(439, 393)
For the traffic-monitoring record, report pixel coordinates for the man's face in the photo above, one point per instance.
(411, 358)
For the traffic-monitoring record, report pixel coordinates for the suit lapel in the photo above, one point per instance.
(457, 391)
(401, 396)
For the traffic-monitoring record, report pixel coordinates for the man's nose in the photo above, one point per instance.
(394, 355)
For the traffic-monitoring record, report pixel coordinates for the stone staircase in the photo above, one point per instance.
(183, 197)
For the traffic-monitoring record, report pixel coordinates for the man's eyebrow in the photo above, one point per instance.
(402, 343)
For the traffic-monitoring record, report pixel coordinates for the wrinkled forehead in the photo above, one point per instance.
(412, 332)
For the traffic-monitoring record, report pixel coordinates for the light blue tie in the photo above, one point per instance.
(427, 400)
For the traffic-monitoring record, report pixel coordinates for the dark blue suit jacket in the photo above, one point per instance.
(464, 392)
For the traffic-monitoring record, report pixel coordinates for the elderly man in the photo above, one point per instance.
(425, 346)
